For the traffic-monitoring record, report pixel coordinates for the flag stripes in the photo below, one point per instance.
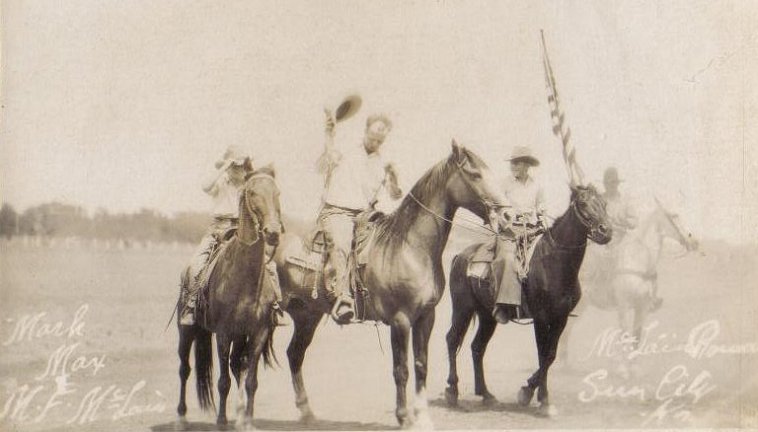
(575, 173)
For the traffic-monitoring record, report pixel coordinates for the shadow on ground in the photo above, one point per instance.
(277, 425)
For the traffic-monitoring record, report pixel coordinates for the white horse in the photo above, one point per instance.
(623, 275)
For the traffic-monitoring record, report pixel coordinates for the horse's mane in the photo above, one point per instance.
(393, 229)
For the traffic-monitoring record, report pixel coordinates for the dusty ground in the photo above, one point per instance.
(121, 368)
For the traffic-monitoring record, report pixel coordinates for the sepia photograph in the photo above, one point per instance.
(360, 216)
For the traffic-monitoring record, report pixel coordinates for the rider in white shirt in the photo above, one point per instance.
(526, 198)
(354, 177)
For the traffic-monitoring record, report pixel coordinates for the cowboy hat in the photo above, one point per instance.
(349, 106)
(523, 154)
(611, 175)
(233, 155)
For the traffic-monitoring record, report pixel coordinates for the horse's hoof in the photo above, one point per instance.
(451, 396)
(307, 418)
(405, 423)
(525, 396)
(547, 410)
(180, 424)
(423, 422)
(488, 399)
(245, 425)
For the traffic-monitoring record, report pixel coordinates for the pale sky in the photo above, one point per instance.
(126, 105)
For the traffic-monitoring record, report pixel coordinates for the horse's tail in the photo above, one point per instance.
(204, 369)
(269, 356)
(458, 282)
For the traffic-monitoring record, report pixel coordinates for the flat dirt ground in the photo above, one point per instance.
(83, 348)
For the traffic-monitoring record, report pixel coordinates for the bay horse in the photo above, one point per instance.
(239, 304)
(403, 276)
(551, 291)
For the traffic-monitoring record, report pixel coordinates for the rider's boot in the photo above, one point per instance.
(343, 310)
(188, 313)
(278, 317)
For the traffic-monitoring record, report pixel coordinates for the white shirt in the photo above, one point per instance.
(356, 179)
(526, 198)
(226, 197)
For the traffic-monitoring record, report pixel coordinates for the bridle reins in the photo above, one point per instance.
(487, 204)
(257, 218)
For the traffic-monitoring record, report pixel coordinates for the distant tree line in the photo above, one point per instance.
(64, 220)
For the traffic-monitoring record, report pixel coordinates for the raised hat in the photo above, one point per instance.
(349, 106)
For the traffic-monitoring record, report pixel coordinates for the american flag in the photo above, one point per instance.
(575, 173)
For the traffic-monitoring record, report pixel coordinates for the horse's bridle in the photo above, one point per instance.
(593, 227)
(587, 223)
(257, 217)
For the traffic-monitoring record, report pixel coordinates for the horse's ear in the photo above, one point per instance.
(459, 155)
(267, 169)
(574, 190)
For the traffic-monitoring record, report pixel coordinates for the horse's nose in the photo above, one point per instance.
(272, 236)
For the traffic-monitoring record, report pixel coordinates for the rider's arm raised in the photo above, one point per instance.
(331, 156)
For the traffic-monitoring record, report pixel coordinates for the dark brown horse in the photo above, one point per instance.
(239, 306)
(403, 275)
(551, 291)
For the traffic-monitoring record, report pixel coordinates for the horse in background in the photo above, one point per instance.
(403, 275)
(551, 292)
(239, 303)
(624, 277)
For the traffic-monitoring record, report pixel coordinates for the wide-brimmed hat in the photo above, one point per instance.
(348, 107)
(523, 154)
(233, 155)
(611, 176)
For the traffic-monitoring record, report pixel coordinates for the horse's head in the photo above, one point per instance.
(670, 225)
(471, 184)
(260, 213)
(589, 207)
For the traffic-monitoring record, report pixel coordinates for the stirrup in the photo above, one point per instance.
(278, 317)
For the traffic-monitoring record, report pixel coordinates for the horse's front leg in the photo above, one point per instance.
(223, 344)
(421, 331)
(238, 365)
(400, 329)
(256, 344)
(526, 393)
(305, 326)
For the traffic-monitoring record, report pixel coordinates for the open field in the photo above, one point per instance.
(116, 367)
